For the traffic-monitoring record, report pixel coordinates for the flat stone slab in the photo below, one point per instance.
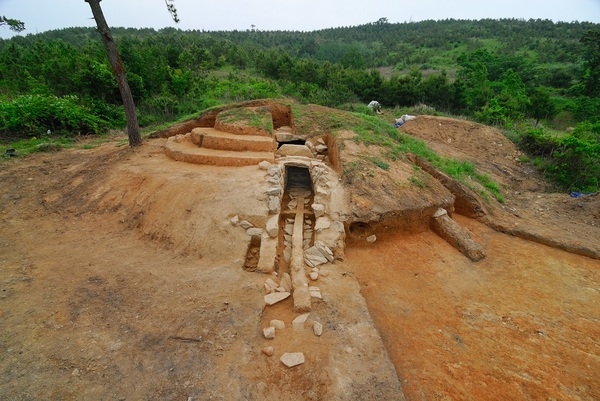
(291, 359)
(273, 298)
(295, 150)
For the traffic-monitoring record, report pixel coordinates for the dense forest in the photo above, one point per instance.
(533, 78)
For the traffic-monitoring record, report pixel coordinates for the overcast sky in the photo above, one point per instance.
(300, 15)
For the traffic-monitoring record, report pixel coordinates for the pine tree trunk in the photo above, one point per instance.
(133, 128)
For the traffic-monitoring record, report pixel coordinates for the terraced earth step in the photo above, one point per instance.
(215, 139)
(187, 151)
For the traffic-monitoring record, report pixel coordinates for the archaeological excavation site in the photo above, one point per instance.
(272, 250)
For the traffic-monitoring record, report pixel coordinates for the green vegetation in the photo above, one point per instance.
(259, 117)
(518, 75)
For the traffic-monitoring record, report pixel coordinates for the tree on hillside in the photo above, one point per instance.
(133, 127)
(591, 40)
(13, 24)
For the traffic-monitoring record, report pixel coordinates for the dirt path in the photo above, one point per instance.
(523, 324)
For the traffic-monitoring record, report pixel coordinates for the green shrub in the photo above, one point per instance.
(31, 115)
(572, 161)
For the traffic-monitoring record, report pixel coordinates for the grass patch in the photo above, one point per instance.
(256, 117)
(26, 147)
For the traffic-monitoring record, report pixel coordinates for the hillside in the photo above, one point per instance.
(127, 273)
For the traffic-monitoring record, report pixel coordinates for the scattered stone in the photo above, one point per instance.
(278, 324)
(273, 181)
(338, 226)
(284, 136)
(371, 238)
(324, 272)
(299, 321)
(322, 192)
(317, 328)
(235, 220)
(269, 332)
(314, 276)
(440, 212)
(318, 209)
(270, 285)
(273, 226)
(281, 289)
(291, 359)
(325, 251)
(286, 282)
(274, 204)
(245, 224)
(264, 165)
(321, 148)
(274, 191)
(274, 171)
(321, 141)
(295, 150)
(254, 231)
(289, 229)
(313, 257)
(273, 298)
(268, 351)
(322, 223)
(315, 292)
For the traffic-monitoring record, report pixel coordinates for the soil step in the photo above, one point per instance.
(215, 139)
(189, 152)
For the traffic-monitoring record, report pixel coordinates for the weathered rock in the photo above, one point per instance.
(268, 351)
(273, 226)
(278, 324)
(286, 282)
(317, 328)
(371, 238)
(315, 292)
(235, 220)
(270, 285)
(324, 272)
(322, 223)
(325, 251)
(291, 359)
(338, 226)
(299, 321)
(245, 224)
(295, 150)
(273, 181)
(318, 209)
(274, 171)
(284, 136)
(274, 191)
(273, 298)
(314, 276)
(269, 332)
(321, 148)
(274, 204)
(254, 231)
(264, 165)
(313, 257)
(457, 236)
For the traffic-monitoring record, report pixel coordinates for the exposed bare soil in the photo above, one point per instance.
(122, 278)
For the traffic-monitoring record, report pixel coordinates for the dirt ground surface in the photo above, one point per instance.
(121, 278)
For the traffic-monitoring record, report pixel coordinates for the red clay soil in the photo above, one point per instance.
(522, 324)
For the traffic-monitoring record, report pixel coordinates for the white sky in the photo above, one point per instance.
(301, 15)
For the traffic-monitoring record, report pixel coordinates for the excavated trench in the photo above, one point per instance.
(298, 195)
